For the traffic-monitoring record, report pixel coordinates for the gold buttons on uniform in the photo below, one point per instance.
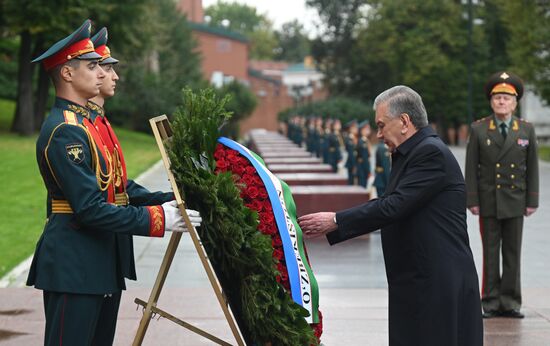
(498, 165)
(498, 186)
(512, 187)
(498, 175)
(512, 176)
(512, 165)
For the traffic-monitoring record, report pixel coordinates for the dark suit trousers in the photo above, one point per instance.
(80, 319)
(501, 292)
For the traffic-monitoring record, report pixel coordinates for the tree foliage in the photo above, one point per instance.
(150, 38)
(241, 103)
(369, 46)
(246, 20)
(293, 42)
(340, 18)
(527, 26)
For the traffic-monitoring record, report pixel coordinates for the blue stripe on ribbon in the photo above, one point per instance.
(291, 263)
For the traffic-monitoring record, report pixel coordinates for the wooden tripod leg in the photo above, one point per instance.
(157, 288)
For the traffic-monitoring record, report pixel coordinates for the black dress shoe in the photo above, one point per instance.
(513, 314)
(491, 314)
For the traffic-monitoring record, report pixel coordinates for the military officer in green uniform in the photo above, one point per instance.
(76, 262)
(363, 154)
(334, 145)
(382, 168)
(327, 129)
(502, 181)
(350, 143)
(310, 136)
(318, 139)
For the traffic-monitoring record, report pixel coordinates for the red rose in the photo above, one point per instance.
(238, 169)
(281, 268)
(231, 157)
(255, 205)
(252, 192)
(247, 179)
(258, 181)
(267, 229)
(219, 152)
(267, 218)
(222, 165)
(276, 241)
(278, 254)
(251, 170)
(266, 205)
(243, 161)
(262, 194)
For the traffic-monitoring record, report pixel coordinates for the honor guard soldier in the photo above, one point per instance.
(335, 143)
(310, 137)
(77, 260)
(318, 137)
(382, 168)
(363, 154)
(502, 180)
(327, 130)
(127, 191)
(350, 143)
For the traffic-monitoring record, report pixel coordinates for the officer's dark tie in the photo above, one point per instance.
(503, 130)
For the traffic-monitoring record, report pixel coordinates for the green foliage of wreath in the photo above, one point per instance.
(240, 254)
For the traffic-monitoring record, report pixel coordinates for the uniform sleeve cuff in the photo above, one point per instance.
(156, 221)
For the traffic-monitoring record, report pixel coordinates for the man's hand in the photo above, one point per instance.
(173, 221)
(474, 210)
(530, 211)
(317, 224)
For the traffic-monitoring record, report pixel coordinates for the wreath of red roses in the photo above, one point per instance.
(255, 197)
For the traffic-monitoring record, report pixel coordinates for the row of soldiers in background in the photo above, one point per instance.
(323, 137)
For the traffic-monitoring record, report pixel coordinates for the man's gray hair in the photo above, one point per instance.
(402, 99)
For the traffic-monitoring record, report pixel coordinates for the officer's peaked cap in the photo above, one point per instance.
(504, 83)
(100, 43)
(75, 46)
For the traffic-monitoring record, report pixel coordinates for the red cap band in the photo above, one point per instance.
(75, 50)
(104, 51)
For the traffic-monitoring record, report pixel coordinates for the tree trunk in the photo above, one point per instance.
(42, 93)
(23, 122)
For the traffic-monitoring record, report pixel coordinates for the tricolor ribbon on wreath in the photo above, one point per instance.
(295, 272)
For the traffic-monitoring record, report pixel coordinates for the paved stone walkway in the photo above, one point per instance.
(352, 285)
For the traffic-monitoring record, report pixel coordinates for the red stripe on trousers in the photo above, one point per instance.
(482, 258)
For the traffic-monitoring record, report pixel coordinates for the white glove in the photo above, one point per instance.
(173, 221)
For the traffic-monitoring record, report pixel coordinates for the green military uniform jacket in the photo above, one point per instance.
(334, 143)
(502, 176)
(78, 251)
(351, 161)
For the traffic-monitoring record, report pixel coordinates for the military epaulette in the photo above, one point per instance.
(79, 110)
(487, 118)
(70, 117)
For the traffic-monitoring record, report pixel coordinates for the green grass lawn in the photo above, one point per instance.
(544, 152)
(23, 199)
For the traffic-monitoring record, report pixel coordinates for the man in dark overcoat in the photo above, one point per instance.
(432, 280)
(502, 178)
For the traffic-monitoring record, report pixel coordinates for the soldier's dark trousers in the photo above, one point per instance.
(351, 176)
(362, 177)
(80, 319)
(501, 292)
